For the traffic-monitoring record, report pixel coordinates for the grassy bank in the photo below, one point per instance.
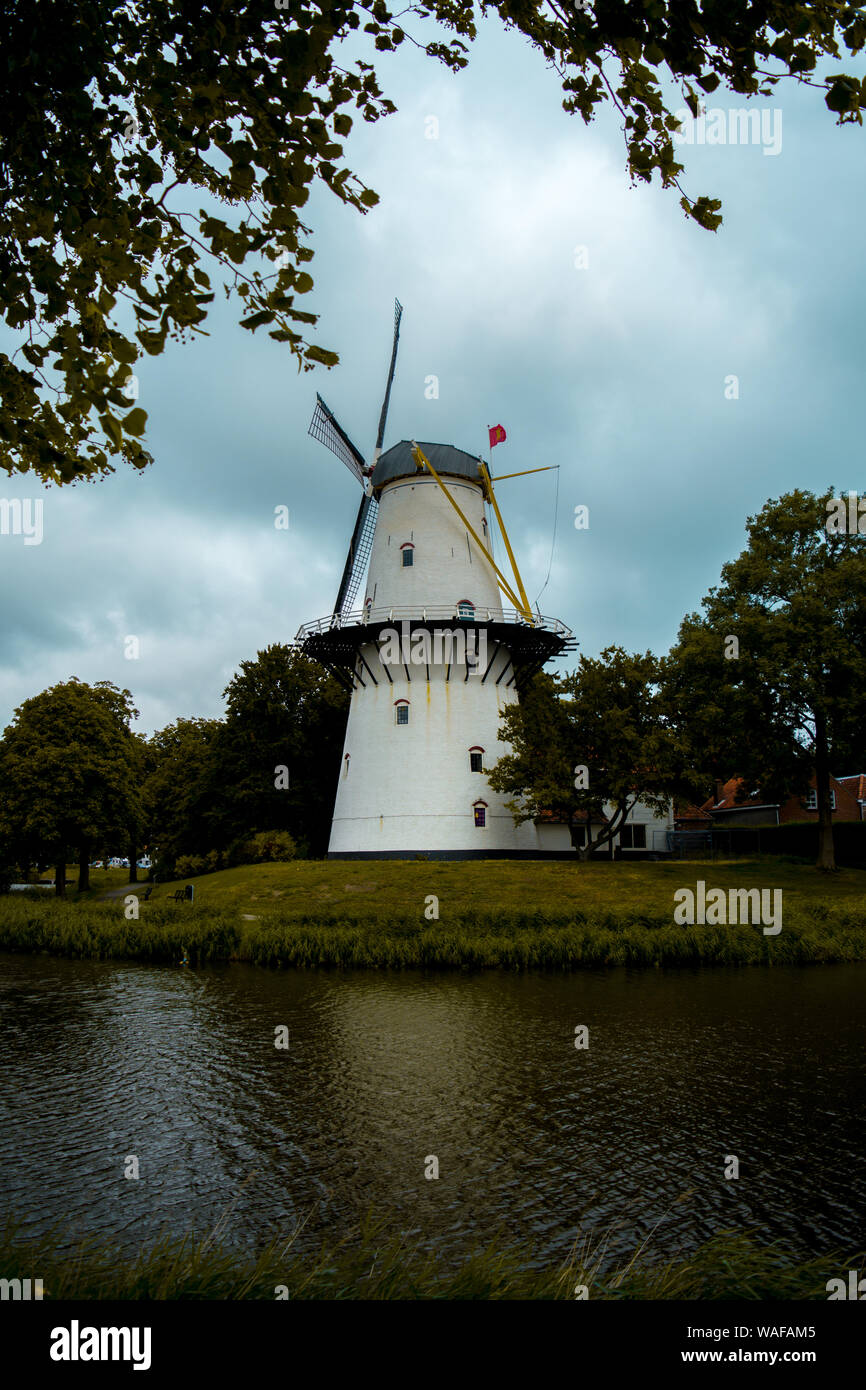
(325, 889)
(492, 914)
(372, 1266)
(508, 938)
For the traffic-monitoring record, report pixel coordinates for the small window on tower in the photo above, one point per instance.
(476, 759)
(480, 812)
(408, 552)
(402, 708)
(346, 761)
(466, 609)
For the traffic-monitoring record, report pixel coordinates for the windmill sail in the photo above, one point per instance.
(325, 428)
(359, 554)
(398, 314)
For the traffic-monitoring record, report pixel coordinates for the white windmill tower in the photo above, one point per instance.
(432, 658)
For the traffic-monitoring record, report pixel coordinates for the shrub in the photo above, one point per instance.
(269, 847)
(190, 866)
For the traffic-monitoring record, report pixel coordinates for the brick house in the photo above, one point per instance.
(856, 785)
(847, 802)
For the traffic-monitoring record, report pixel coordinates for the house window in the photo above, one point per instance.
(476, 759)
(466, 609)
(480, 812)
(812, 800)
(632, 837)
(408, 551)
(402, 708)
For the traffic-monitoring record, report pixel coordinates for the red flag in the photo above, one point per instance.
(497, 434)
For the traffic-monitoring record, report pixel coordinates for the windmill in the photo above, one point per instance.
(325, 428)
(432, 658)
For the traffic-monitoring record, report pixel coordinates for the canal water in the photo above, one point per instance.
(535, 1139)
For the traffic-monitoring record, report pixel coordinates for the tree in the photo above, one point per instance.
(118, 122)
(68, 774)
(277, 757)
(175, 793)
(772, 675)
(268, 770)
(592, 744)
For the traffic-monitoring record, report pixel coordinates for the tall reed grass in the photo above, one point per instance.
(506, 939)
(370, 1264)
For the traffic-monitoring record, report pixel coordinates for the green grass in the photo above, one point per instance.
(509, 938)
(492, 914)
(372, 1265)
(326, 888)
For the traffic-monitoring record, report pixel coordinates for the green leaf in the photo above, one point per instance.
(135, 421)
(256, 320)
(317, 354)
(112, 429)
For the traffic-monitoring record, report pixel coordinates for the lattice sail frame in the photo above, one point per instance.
(325, 429)
(359, 553)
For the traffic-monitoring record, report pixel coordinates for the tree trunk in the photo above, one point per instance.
(133, 864)
(826, 850)
(60, 879)
(582, 850)
(83, 869)
(609, 829)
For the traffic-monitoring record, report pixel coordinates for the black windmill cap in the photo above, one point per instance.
(397, 462)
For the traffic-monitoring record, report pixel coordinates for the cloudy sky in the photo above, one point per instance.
(610, 362)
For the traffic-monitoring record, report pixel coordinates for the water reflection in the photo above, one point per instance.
(533, 1138)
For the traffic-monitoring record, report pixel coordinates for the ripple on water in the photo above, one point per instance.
(535, 1139)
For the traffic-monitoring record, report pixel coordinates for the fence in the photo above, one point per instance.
(797, 838)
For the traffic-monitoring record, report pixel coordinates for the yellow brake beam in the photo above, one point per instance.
(422, 461)
(492, 499)
(551, 468)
